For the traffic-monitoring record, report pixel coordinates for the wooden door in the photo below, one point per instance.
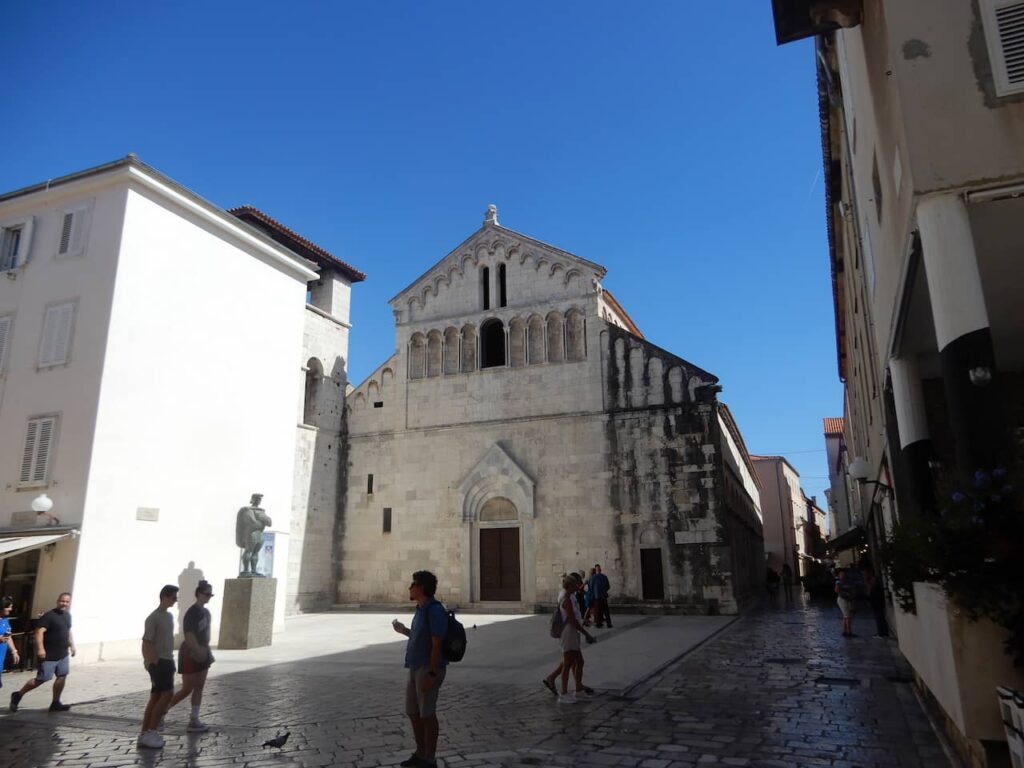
(651, 577)
(499, 564)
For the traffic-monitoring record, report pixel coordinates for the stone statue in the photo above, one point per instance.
(249, 527)
(491, 217)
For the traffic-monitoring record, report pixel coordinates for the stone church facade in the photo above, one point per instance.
(523, 428)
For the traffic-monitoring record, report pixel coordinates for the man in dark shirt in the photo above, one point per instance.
(601, 589)
(426, 664)
(54, 644)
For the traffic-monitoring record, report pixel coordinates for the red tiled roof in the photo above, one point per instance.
(833, 426)
(630, 325)
(306, 247)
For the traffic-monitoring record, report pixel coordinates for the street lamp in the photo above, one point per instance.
(859, 470)
(41, 505)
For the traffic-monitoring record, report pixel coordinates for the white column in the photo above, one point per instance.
(908, 397)
(951, 266)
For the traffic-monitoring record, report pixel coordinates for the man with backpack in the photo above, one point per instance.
(426, 664)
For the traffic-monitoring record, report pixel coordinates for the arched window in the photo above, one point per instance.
(314, 382)
(575, 344)
(417, 350)
(516, 342)
(556, 339)
(485, 286)
(434, 353)
(535, 333)
(492, 344)
(655, 382)
(451, 350)
(675, 384)
(502, 293)
(468, 348)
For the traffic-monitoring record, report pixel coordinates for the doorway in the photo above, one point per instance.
(651, 578)
(499, 564)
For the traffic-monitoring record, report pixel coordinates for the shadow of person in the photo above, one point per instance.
(188, 580)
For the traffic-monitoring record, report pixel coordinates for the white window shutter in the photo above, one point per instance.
(29, 454)
(1003, 22)
(57, 326)
(35, 459)
(67, 228)
(42, 461)
(26, 240)
(5, 334)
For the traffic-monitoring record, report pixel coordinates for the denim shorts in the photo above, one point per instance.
(47, 669)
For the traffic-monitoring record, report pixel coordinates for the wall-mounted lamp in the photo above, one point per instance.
(980, 376)
(860, 470)
(41, 505)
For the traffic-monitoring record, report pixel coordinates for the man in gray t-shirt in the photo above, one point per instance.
(158, 656)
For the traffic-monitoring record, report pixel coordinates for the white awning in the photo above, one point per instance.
(26, 542)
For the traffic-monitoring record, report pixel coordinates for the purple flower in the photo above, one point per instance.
(996, 497)
(999, 472)
(978, 506)
(980, 478)
(958, 497)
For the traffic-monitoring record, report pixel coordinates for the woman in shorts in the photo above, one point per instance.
(195, 656)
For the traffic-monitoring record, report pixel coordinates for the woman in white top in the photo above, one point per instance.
(570, 639)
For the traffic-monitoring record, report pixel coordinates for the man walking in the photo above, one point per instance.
(426, 664)
(158, 656)
(54, 643)
(601, 588)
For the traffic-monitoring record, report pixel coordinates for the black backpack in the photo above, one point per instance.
(454, 644)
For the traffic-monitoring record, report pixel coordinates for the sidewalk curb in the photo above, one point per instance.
(627, 692)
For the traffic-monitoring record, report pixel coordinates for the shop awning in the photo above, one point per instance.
(847, 540)
(22, 541)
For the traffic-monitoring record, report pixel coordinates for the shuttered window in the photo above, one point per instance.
(15, 241)
(1003, 21)
(57, 329)
(5, 335)
(35, 459)
(73, 223)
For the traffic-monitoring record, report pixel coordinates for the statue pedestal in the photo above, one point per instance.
(247, 616)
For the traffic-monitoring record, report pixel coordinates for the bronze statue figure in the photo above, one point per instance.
(249, 527)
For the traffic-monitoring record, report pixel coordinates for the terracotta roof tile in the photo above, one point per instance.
(833, 426)
(307, 248)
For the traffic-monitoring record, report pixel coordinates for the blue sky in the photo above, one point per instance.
(672, 142)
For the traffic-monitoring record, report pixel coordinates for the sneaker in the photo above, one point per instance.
(411, 762)
(58, 707)
(151, 740)
(15, 698)
(567, 698)
(587, 690)
(550, 686)
(197, 726)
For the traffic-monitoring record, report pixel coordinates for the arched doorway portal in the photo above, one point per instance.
(499, 550)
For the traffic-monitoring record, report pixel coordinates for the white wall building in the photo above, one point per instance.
(150, 381)
(782, 502)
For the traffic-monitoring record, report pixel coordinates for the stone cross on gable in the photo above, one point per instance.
(491, 216)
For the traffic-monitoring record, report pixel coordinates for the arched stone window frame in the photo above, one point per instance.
(468, 344)
(575, 335)
(417, 355)
(536, 344)
(492, 331)
(555, 336)
(434, 343)
(517, 344)
(312, 399)
(452, 356)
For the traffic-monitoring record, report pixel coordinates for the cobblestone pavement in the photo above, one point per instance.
(777, 688)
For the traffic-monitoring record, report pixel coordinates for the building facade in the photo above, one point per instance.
(922, 117)
(151, 351)
(525, 428)
(782, 503)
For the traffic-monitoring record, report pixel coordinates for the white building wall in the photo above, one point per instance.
(733, 456)
(196, 413)
(70, 390)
